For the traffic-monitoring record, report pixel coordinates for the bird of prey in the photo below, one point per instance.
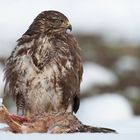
(44, 71)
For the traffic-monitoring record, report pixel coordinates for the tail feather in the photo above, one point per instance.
(92, 129)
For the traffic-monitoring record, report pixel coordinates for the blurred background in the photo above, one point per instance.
(109, 37)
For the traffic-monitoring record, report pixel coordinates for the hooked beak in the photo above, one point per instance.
(69, 26)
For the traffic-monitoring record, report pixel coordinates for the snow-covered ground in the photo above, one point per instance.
(79, 136)
(109, 110)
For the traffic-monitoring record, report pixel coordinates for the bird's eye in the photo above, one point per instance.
(57, 21)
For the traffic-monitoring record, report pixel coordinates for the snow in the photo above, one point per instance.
(127, 126)
(107, 108)
(70, 136)
(95, 74)
(1, 81)
(1, 100)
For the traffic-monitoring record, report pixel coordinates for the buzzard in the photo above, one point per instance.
(44, 71)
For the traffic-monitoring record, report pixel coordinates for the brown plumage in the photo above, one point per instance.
(44, 71)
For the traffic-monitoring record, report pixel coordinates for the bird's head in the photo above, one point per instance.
(50, 21)
(56, 20)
